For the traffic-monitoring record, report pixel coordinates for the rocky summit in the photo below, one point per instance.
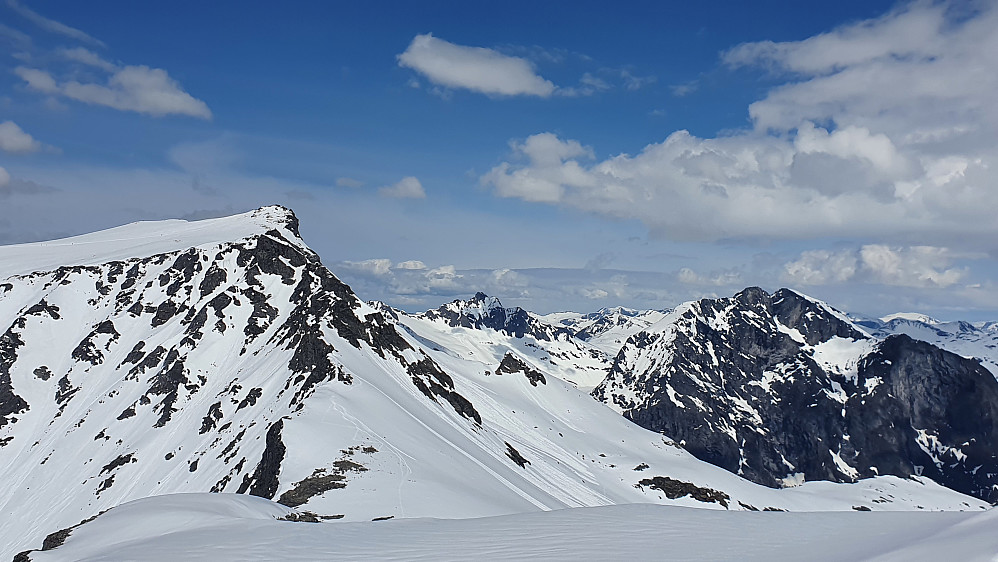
(782, 389)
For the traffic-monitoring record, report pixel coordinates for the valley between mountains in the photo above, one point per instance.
(220, 357)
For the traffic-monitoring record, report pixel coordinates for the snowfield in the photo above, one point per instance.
(231, 527)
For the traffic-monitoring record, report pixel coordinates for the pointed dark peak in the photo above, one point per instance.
(816, 321)
(753, 296)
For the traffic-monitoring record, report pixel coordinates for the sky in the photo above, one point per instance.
(558, 155)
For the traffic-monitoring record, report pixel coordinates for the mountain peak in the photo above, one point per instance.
(146, 238)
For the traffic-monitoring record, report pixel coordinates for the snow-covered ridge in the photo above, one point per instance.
(144, 239)
(241, 528)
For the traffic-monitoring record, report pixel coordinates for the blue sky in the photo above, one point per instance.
(557, 155)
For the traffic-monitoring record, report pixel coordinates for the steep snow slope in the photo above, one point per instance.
(190, 526)
(482, 330)
(245, 366)
(607, 329)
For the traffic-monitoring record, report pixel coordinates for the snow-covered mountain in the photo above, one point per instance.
(782, 388)
(969, 339)
(222, 356)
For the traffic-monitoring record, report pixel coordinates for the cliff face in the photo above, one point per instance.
(780, 388)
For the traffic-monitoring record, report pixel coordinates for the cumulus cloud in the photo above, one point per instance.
(473, 68)
(376, 267)
(407, 188)
(142, 89)
(14, 139)
(50, 24)
(913, 266)
(4, 177)
(410, 264)
(688, 276)
(886, 129)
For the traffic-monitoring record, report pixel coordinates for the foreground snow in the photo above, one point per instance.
(231, 527)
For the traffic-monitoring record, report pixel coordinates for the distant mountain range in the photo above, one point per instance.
(222, 356)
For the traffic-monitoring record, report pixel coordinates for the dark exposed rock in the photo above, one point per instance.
(10, 402)
(119, 461)
(250, 399)
(321, 480)
(65, 391)
(43, 373)
(674, 489)
(483, 311)
(211, 418)
(164, 313)
(43, 307)
(433, 382)
(736, 389)
(264, 480)
(512, 364)
(515, 456)
(87, 349)
(212, 280)
(167, 383)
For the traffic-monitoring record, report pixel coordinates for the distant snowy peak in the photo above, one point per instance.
(781, 387)
(978, 340)
(909, 316)
(485, 312)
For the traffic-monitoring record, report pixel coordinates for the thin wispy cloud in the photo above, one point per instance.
(406, 188)
(51, 25)
(141, 89)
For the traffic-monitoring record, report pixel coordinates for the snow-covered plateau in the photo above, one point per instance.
(220, 357)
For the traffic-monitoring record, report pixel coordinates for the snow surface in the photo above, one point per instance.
(229, 527)
(139, 239)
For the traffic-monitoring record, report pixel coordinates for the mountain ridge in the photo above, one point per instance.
(246, 366)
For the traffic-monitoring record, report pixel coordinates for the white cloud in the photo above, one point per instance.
(821, 267)
(912, 266)
(551, 167)
(131, 88)
(888, 131)
(407, 188)
(4, 177)
(410, 264)
(51, 25)
(684, 89)
(13, 139)
(594, 294)
(376, 267)
(688, 276)
(88, 57)
(37, 79)
(473, 68)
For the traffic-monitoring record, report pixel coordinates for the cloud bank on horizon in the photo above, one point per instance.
(865, 172)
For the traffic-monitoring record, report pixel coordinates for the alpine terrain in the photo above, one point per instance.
(220, 357)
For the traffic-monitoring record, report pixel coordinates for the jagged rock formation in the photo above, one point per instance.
(781, 388)
(484, 312)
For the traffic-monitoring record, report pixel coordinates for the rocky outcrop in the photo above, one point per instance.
(779, 388)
